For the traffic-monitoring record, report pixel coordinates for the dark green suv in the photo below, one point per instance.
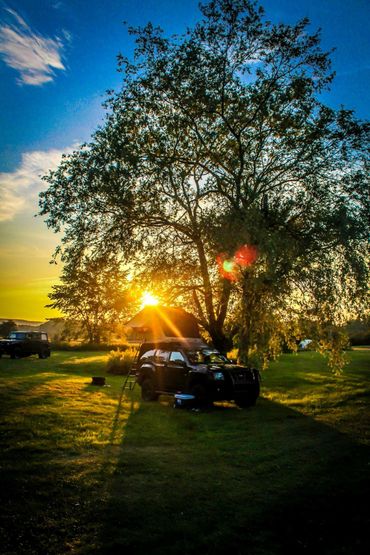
(21, 344)
(189, 366)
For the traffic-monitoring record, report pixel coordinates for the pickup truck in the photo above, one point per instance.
(21, 344)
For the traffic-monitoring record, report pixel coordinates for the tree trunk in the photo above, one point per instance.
(213, 325)
(220, 341)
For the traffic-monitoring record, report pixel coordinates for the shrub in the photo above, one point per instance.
(120, 362)
(78, 346)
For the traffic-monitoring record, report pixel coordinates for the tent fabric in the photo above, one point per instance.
(162, 322)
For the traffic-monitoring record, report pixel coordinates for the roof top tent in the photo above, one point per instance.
(158, 323)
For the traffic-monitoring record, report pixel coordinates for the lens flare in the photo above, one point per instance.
(228, 266)
(148, 299)
(246, 255)
(229, 269)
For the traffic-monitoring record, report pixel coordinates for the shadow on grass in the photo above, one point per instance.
(264, 481)
(88, 470)
(56, 458)
(31, 381)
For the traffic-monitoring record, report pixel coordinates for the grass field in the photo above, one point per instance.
(88, 470)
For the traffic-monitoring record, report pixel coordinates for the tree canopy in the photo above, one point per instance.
(218, 142)
(6, 327)
(91, 293)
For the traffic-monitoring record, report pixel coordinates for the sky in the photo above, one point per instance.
(58, 59)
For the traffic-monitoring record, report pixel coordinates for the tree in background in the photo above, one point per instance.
(7, 327)
(92, 294)
(218, 145)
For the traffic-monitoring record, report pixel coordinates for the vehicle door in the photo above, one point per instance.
(29, 344)
(160, 360)
(177, 371)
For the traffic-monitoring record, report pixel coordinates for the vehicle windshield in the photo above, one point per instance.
(17, 335)
(206, 356)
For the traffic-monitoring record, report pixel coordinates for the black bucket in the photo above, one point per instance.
(98, 380)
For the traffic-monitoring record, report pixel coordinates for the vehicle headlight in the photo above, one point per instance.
(218, 376)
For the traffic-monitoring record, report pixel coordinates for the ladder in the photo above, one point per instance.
(130, 378)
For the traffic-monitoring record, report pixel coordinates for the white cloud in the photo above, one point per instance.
(58, 5)
(35, 57)
(19, 189)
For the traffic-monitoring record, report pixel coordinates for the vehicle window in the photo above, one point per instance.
(176, 356)
(214, 356)
(161, 356)
(148, 355)
(195, 357)
(17, 335)
(206, 356)
(44, 337)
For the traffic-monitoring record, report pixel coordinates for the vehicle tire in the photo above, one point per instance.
(43, 354)
(16, 354)
(202, 398)
(248, 399)
(148, 391)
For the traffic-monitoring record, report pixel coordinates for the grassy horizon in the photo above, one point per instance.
(86, 469)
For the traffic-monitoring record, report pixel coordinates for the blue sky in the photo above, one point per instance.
(57, 59)
(89, 34)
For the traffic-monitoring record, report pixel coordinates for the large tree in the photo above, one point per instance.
(218, 139)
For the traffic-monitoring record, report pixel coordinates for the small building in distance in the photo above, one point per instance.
(157, 323)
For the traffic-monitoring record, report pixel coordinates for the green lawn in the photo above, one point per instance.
(87, 470)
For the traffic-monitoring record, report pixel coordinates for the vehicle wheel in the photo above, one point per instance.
(16, 354)
(148, 392)
(202, 399)
(248, 399)
(43, 354)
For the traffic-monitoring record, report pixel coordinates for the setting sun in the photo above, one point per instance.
(148, 300)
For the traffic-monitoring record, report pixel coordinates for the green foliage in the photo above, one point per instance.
(92, 295)
(218, 139)
(120, 362)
